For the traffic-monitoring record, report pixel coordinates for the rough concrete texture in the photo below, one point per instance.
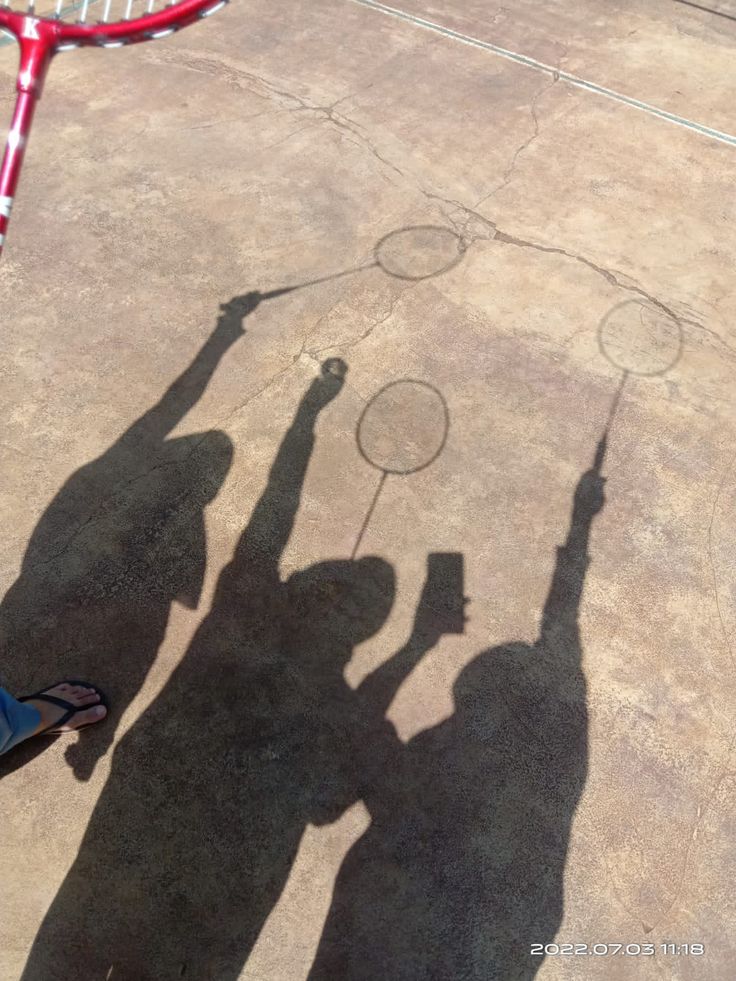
(182, 491)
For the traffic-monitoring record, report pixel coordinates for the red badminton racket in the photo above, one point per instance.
(41, 33)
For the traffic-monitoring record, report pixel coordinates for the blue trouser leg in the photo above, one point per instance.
(17, 721)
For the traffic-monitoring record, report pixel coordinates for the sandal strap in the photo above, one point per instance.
(71, 710)
(42, 696)
(61, 702)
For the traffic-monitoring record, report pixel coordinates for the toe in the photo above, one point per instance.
(85, 696)
(76, 694)
(80, 689)
(94, 714)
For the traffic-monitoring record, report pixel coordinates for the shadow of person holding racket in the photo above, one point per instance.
(461, 869)
(255, 735)
(122, 539)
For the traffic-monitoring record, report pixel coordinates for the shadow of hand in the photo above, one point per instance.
(234, 312)
(589, 496)
(82, 760)
(329, 384)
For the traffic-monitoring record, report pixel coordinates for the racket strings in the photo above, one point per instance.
(88, 11)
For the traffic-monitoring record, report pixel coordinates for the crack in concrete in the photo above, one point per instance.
(349, 344)
(570, 79)
(713, 333)
(344, 123)
(469, 214)
(508, 173)
(291, 135)
(271, 381)
(263, 88)
(610, 277)
(258, 85)
(351, 126)
(218, 67)
(303, 352)
(242, 79)
(230, 121)
(614, 280)
(108, 155)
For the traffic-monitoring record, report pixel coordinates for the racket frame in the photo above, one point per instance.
(40, 38)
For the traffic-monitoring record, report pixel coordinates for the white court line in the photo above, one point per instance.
(580, 83)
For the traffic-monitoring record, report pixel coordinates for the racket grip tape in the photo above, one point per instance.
(6, 204)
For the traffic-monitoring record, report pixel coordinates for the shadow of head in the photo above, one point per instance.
(341, 603)
(521, 684)
(505, 686)
(487, 681)
(205, 463)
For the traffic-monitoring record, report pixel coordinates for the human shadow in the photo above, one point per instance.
(255, 735)
(460, 872)
(121, 540)
(124, 536)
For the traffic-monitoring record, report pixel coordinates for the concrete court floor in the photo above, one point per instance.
(273, 145)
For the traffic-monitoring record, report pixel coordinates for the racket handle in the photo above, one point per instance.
(13, 158)
(35, 57)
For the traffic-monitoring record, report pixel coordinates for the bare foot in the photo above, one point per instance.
(75, 695)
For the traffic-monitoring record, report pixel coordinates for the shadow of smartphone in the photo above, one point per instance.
(443, 600)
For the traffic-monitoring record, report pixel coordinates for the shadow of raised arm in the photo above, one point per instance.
(184, 393)
(272, 521)
(559, 626)
(439, 612)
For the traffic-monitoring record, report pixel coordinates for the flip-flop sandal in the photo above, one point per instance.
(71, 709)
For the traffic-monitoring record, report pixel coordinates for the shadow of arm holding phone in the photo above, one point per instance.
(441, 610)
(462, 865)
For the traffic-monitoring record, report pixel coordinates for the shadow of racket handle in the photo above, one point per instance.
(600, 452)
